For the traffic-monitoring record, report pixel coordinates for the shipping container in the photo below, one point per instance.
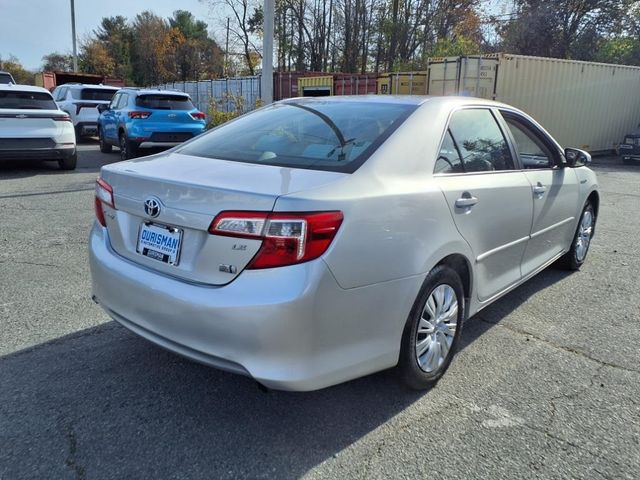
(315, 86)
(582, 104)
(51, 80)
(355, 84)
(403, 83)
(285, 84)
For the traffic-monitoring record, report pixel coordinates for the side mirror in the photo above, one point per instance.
(576, 158)
(103, 107)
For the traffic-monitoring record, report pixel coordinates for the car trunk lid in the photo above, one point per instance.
(190, 191)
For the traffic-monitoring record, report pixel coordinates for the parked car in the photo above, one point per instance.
(314, 241)
(141, 118)
(6, 77)
(32, 126)
(630, 148)
(81, 103)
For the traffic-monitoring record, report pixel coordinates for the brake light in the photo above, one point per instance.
(62, 118)
(287, 238)
(198, 115)
(104, 195)
(139, 114)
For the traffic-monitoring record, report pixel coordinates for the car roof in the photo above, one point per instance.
(88, 85)
(154, 91)
(450, 101)
(23, 88)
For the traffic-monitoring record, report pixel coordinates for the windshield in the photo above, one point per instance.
(165, 102)
(100, 94)
(335, 136)
(27, 100)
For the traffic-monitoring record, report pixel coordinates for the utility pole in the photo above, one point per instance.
(226, 53)
(266, 81)
(73, 32)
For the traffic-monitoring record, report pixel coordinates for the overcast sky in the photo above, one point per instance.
(30, 29)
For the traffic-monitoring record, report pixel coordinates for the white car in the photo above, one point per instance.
(32, 127)
(81, 103)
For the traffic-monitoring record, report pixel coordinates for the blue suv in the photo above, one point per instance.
(141, 119)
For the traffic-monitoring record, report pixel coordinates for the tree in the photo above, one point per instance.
(57, 62)
(150, 45)
(116, 35)
(95, 58)
(17, 71)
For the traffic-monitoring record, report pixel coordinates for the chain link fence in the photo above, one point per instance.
(223, 91)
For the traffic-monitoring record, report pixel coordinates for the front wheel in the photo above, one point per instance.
(433, 329)
(577, 254)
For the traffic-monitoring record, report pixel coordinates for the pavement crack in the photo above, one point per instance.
(38, 264)
(71, 461)
(564, 348)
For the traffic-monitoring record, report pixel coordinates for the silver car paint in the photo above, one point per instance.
(339, 317)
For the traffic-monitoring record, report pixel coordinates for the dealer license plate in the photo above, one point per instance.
(160, 242)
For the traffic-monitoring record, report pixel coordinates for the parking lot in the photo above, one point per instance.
(547, 383)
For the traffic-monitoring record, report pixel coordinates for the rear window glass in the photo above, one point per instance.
(27, 100)
(99, 94)
(334, 136)
(5, 78)
(165, 102)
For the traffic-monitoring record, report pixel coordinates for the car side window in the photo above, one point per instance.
(61, 94)
(114, 101)
(531, 148)
(448, 160)
(480, 141)
(124, 99)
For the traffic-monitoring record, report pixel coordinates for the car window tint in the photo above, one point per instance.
(101, 94)
(480, 141)
(321, 135)
(532, 150)
(27, 100)
(165, 102)
(124, 99)
(448, 160)
(114, 101)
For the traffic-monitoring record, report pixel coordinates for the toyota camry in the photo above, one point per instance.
(314, 241)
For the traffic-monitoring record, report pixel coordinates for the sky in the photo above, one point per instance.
(30, 29)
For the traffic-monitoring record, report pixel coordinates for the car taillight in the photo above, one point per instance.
(104, 195)
(139, 114)
(198, 116)
(62, 118)
(287, 238)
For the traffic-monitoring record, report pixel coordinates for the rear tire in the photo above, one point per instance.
(69, 163)
(577, 254)
(104, 146)
(128, 149)
(433, 329)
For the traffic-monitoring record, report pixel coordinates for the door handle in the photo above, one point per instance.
(466, 200)
(539, 189)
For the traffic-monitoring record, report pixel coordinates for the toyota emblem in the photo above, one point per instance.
(152, 207)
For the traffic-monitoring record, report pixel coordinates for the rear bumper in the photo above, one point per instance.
(290, 328)
(56, 153)
(87, 128)
(158, 144)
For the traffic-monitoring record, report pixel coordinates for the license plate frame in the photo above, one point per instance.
(166, 254)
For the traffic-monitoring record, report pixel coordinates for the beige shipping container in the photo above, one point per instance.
(582, 104)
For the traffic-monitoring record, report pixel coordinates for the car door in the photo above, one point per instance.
(555, 191)
(488, 195)
(108, 120)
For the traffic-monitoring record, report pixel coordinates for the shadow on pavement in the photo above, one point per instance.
(103, 403)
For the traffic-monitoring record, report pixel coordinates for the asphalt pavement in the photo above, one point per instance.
(546, 385)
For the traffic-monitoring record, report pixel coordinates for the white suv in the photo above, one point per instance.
(32, 126)
(81, 103)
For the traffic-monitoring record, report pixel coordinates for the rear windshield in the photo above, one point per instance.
(5, 78)
(165, 102)
(100, 94)
(334, 136)
(27, 100)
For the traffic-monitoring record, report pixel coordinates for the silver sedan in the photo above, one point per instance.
(314, 241)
